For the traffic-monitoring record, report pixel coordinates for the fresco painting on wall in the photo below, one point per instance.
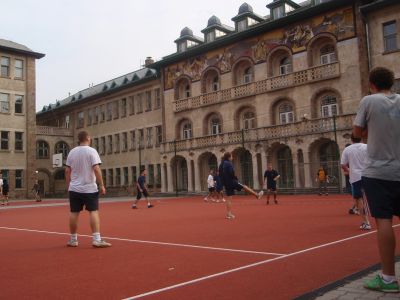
(339, 23)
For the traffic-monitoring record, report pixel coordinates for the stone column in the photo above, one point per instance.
(190, 176)
(308, 177)
(296, 170)
(264, 163)
(256, 181)
(170, 178)
(163, 179)
(197, 184)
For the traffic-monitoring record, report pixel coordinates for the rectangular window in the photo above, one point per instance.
(242, 25)
(390, 36)
(117, 145)
(81, 119)
(151, 176)
(19, 69)
(110, 144)
(104, 175)
(18, 179)
(158, 98)
(149, 135)
(124, 141)
(4, 103)
(158, 136)
(5, 140)
(5, 66)
(133, 140)
(139, 103)
(131, 105)
(126, 176)
(96, 144)
(158, 177)
(110, 178)
(19, 104)
(329, 110)
(134, 175)
(67, 121)
(118, 176)
(103, 145)
(116, 109)
(148, 101)
(102, 113)
(19, 142)
(278, 12)
(123, 108)
(210, 36)
(96, 116)
(109, 111)
(141, 138)
(90, 117)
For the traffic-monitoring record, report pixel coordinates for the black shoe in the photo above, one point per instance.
(351, 211)
(276, 202)
(150, 206)
(267, 202)
(134, 207)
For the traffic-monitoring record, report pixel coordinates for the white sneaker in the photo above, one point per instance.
(230, 216)
(260, 194)
(101, 244)
(72, 243)
(365, 226)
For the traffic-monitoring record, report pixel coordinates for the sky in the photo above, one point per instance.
(93, 41)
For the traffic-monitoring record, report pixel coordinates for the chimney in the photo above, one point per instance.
(149, 60)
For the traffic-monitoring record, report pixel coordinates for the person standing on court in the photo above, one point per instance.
(378, 118)
(142, 190)
(270, 177)
(322, 180)
(81, 173)
(4, 192)
(1, 185)
(354, 159)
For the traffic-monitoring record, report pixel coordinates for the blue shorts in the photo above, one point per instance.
(383, 197)
(356, 189)
(230, 189)
(271, 185)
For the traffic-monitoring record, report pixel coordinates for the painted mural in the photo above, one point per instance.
(339, 23)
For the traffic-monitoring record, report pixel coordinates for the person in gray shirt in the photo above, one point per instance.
(378, 119)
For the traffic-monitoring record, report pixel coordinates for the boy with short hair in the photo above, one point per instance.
(142, 190)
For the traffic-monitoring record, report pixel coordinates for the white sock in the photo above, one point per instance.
(388, 278)
(96, 236)
(74, 236)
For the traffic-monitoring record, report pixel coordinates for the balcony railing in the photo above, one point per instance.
(55, 131)
(319, 73)
(271, 133)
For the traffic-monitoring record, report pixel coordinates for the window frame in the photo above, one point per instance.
(390, 36)
(19, 141)
(5, 66)
(17, 69)
(5, 103)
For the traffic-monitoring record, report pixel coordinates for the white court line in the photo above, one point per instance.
(249, 266)
(149, 242)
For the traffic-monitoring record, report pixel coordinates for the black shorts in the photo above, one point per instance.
(383, 197)
(230, 189)
(271, 186)
(78, 200)
(211, 189)
(141, 194)
(356, 189)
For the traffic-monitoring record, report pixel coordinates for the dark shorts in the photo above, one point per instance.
(211, 189)
(271, 186)
(219, 188)
(79, 200)
(141, 194)
(383, 197)
(230, 189)
(356, 189)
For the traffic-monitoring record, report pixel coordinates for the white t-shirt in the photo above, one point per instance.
(356, 156)
(210, 181)
(81, 160)
(1, 183)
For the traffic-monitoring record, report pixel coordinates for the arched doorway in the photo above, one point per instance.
(242, 162)
(285, 167)
(179, 173)
(207, 161)
(329, 159)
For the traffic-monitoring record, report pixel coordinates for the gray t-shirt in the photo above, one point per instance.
(81, 160)
(381, 114)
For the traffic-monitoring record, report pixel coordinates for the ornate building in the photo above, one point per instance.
(17, 116)
(282, 89)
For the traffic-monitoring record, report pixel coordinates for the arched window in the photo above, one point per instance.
(286, 113)
(183, 89)
(62, 147)
(187, 91)
(285, 66)
(215, 125)
(329, 106)
(42, 150)
(249, 120)
(243, 72)
(215, 84)
(210, 81)
(187, 130)
(327, 54)
(247, 75)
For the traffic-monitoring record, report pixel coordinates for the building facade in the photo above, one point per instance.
(18, 116)
(281, 89)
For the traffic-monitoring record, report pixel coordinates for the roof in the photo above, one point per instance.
(377, 5)
(128, 80)
(19, 48)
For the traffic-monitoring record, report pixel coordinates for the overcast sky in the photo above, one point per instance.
(92, 41)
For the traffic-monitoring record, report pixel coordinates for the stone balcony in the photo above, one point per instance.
(53, 131)
(270, 134)
(307, 76)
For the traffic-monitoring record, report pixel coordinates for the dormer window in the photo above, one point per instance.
(191, 44)
(246, 18)
(278, 12)
(242, 25)
(280, 8)
(187, 40)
